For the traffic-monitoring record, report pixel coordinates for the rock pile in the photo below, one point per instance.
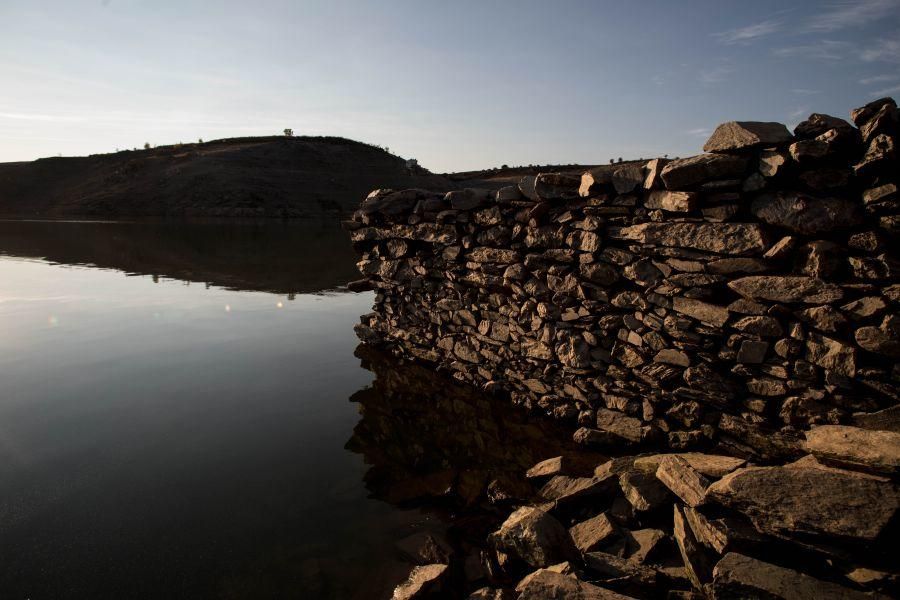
(725, 301)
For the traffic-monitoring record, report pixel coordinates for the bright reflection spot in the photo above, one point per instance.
(280, 305)
(227, 308)
(52, 321)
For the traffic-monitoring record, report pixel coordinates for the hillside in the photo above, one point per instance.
(239, 177)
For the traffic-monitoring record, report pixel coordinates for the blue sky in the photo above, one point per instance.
(458, 85)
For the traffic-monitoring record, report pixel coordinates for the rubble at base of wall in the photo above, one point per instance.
(726, 301)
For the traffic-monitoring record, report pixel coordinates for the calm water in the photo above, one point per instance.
(183, 416)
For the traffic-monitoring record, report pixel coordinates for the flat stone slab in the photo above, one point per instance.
(786, 288)
(724, 238)
(855, 448)
(711, 465)
(793, 501)
(739, 576)
(741, 135)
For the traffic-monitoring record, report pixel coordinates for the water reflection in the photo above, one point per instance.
(285, 257)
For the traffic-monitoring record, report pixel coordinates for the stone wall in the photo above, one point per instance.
(729, 300)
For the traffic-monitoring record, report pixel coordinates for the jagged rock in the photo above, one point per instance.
(556, 186)
(643, 490)
(724, 238)
(671, 201)
(599, 273)
(823, 318)
(864, 114)
(702, 311)
(711, 465)
(423, 548)
(773, 162)
(829, 353)
(805, 214)
(696, 562)
(594, 181)
(489, 593)
(855, 448)
(880, 153)
(723, 533)
(884, 420)
(741, 135)
(880, 340)
(671, 356)
(737, 576)
(621, 425)
(587, 436)
(820, 259)
(802, 501)
(548, 585)
(788, 289)
(526, 187)
(654, 169)
(546, 468)
(593, 533)
(614, 568)
(626, 179)
(817, 124)
(535, 537)
(422, 581)
(564, 489)
(686, 483)
(759, 325)
(752, 352)
(643, 544)
(689, 172)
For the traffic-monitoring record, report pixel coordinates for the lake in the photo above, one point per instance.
(185, 414)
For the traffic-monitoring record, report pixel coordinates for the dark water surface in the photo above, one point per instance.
(176, 418)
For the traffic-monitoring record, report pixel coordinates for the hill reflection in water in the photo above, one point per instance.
(283, 257)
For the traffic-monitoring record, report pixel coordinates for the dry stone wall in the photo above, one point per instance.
(730, 299)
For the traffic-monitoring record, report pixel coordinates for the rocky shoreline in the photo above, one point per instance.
(729, 318)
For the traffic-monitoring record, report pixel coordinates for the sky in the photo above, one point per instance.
(458, 85)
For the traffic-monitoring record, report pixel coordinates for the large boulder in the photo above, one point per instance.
(692, 171)
(535, 537)
(855, 448)
(805, 214)
(817, 124)
(737, 576)
(556, 186)
(741, 135)
(724, 238)
(809, 501)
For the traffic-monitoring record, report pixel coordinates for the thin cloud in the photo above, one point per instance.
(886, 92)
(750, 33)
(805, 92)
(884, 50)
(821, 50)
(879, 79)
(714, 74)
(796, 114)
(701, 132)
(844, 15)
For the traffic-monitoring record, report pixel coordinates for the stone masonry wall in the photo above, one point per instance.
(729, 300)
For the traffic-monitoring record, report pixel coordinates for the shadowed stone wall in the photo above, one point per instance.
(727, 300)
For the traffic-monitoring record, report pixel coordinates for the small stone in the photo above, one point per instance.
(742, 135)
(821, 259)
(546, 468)
(781, 248)
(739, 576)
(686, 483)
(593, 533)
(772, 162)
(855, 448)
(832, 354)
(535, 537)
(671, 201)
(823, 318)
(759, 325)
(671, 356)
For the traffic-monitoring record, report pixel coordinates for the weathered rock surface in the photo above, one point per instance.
(422, 581)
(690, 172)
(788, 289)
(547, 585)
(737, 576)
(535, 537)
(805, 214)
(686, 483)
(741, 135)
(808, 501)
(724, 238)
(855, 448)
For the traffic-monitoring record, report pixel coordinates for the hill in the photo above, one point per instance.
(238, 177)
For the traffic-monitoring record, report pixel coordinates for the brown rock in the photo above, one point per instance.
(741, 135)
(831, 354)
(776, 288)
(547, 585)
(864, 114)
(739, 576)
(535, 537)
(702, 311)
(564, 489)
(823, 318)
(686, 483)
(626, 179)
(670, 356)
(721, 534)
(671, 201)
(773, 162)
(599, 273)
(801, 501)
(821, 259)
(805, 214)
(594, 181)
(593, 533)
(817, 124)
(546, 468)
(643, 490)
(724, 238)
(880, 340)
(752, 352)
(759, 325)
(855, 448)
(689, 172)
(619, 424)
(654, 169)
(556, 186)
(696, 562)
(422, 581)
(887, 419)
